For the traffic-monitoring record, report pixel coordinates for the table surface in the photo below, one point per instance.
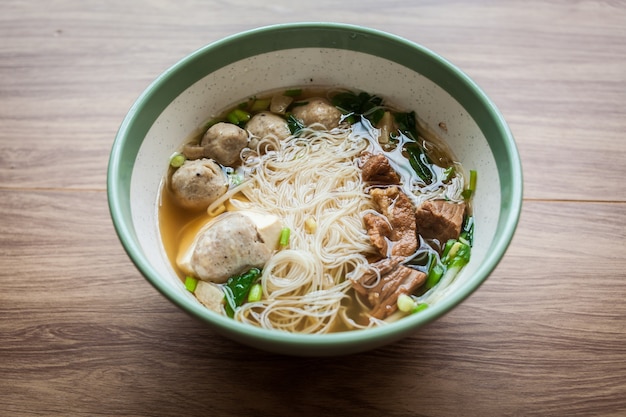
(82, 333)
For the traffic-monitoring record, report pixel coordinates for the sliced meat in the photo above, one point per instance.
(398, 209)
(379, 231)
(377, 170)
(440, 220)
(384, 282)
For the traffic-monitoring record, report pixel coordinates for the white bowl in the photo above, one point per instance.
(282, 56)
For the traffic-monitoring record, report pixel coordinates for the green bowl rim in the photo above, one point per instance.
(195, 66)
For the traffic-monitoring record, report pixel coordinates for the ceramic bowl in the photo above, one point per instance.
(327, 54)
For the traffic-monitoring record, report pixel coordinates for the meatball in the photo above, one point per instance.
(198, 183)
(318, 110)
(224, 142)
(265, 124)
(231, 244)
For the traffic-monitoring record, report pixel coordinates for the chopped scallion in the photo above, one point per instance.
(284, 236)
(232, 117)
(448, 173)
(419, 307)
(256, 292)
(242, 115)
(471, 188)
(434, 274)
(467, 232)
(406, 303)
(177, 160)
(191, 283)
(260, 105)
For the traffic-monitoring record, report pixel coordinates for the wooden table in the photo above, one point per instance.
(83, 334)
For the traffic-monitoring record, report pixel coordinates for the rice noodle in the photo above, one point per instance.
(312, 176)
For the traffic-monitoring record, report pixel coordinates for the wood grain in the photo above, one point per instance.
(90, 334)
(82, 333)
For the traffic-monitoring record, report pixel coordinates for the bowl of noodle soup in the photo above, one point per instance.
(311, 184)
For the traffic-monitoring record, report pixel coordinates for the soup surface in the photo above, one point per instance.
(316, 210)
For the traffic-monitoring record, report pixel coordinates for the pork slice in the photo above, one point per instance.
(397, 207)
(379, 231)
(383, 284)
(369, 280)
(440, 220)
(377, 170)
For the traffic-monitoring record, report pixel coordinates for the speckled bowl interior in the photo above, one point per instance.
(327, 54)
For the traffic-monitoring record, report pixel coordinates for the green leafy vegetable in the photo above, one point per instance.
(419, 162)
(237, 289)
(295, 125)
(407, 123)
(362, 104)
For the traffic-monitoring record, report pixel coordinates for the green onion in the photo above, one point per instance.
(177, 160)
(419, 308)
(191, 283)
(448, 173)
(435, 273)
(284, 236)
(447, 247)
(293, 92)
(454, 249)
(467, 231)
(256, 291)
(232, 117)
(238, 116)
(242, 115)
(405, 303)
(469, 191)
(260, 105)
